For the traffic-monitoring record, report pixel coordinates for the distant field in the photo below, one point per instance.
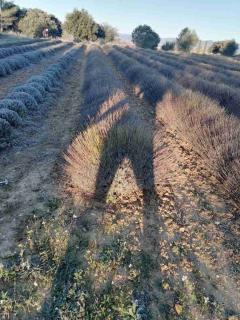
(119, 183)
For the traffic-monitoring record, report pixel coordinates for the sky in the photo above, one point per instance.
(212, 19)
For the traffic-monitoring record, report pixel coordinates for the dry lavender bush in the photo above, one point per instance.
(225, 95)
(206, 72)
(210, 132)
(200, 121)
(207, 61)
(110, 130)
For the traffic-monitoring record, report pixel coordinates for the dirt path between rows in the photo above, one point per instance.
(30, 167)
(22, 75)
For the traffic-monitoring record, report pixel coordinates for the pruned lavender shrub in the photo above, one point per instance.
(5, 129)
(28, 88)
(14, 105)
(29, 102)
(44, 82)
(28, 96)
(39, 87)
(19, 61)
(5, 69)
(11, 116)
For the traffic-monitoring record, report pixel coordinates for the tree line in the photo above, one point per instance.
(143, 36)
(79, 24)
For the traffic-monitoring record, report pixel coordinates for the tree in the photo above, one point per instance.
(81, 26)
(10, 14)
(110, 32)
(230, 48)
(36, 21)
(187, 39)
(227, 48)
(143, 36)
(168, 46)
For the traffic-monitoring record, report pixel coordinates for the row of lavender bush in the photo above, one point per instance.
(27, 98)
(20, 43)
(225, 95)
(206, 72)
(19, 61)
(6, 52)
(111, 131)
(199, 120)
(208, 61)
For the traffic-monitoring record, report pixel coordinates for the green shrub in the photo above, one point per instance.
(168, 46)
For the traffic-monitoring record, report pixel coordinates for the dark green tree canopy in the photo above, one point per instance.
(230, 48)
(36, 21)
(143, 36)
(81, 26)
(187, 39)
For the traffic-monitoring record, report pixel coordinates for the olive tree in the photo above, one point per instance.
(187, 39)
